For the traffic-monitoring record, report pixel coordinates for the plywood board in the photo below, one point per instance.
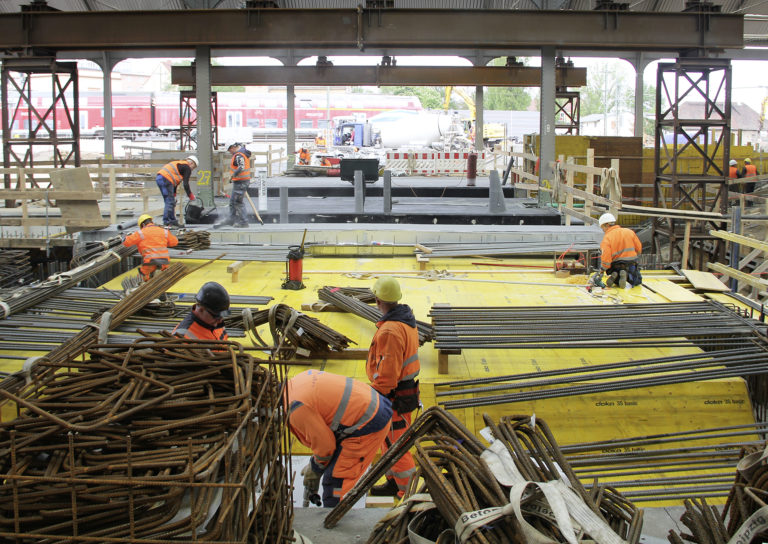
(706, 281)
(671, 291)
(73, 211)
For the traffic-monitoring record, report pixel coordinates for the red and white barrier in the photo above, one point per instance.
(434, 163)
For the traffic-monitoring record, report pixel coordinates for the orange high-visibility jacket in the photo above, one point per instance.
(324, 406)
(171, 172)
(733, 172)
(195, 329)
(750, 170)
(153, 243)
(245, 173)
(619, 243)
(393, 356)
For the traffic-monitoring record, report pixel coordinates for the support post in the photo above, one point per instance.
(106, 69)
(479, 121)
(204, 136)
(283, 204)
(547, 117)
(387, 191)
(291, 122)
(495, 194)
(359, 192)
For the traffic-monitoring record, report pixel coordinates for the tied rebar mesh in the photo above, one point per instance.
(165, 439)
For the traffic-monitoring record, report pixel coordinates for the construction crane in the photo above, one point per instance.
(493, 133)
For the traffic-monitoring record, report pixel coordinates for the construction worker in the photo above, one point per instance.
(168, 179)
(320, 141)
(205, 321)
(618, 253)
(304, 155)
(749, 171)
(392, 367)
(325, 161)
(343, 421)
(733, 170)
(240, 169)
(153, 243)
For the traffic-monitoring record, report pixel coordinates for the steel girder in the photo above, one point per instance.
(489, 76)
(453, 31)
(692, 152)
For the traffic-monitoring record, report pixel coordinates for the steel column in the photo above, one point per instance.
(547, 117)
(682, 183)
(204, 141)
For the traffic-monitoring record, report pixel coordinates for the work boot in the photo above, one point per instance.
(611, 280)
(241, 225)
(388, 489)
(172, 224)
(622, 279)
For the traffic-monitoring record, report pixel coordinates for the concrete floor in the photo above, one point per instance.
(357, 524)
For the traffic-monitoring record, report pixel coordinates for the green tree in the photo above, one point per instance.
(431, 97)
(506, 98)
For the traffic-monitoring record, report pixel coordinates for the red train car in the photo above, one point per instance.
(135, 114)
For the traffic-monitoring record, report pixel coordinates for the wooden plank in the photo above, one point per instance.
(35, 243)
(234, 269)
(74, 212)
(54, 222)
(346, 355)
(706, 281)
(686, 243)
(739, 239)
(741, 277)
(671, 291)
(588, 196)
(693, 213)
(579, 215)
(37, 194)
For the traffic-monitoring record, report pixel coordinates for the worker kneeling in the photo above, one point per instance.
(618, 253)
(153, 243)
(343, 421)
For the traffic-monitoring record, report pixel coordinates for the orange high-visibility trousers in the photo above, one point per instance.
(402, 470)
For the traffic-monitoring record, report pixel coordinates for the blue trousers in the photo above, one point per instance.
(169, 197)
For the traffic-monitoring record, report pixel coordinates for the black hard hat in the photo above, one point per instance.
(214, 298)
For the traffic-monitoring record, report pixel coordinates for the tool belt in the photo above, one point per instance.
(405, 397)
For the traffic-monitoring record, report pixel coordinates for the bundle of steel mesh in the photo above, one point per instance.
(293, 333)
(15, 268)
(160, 440)
(194, 240)
(520, 489)
(355, 305)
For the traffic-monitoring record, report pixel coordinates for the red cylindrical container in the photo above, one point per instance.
(295, 267)
(471, 169)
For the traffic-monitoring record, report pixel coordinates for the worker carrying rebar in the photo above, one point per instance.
(344, 422)
(618, 253)
(240, 170)
(392, 367)
(168, 179)
(205, 321)
(152, 242)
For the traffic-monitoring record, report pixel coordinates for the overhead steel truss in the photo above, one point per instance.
(692, 153)
(31, 123)
(567, 112)
(393, 30)
(188, 117)
(488, 76)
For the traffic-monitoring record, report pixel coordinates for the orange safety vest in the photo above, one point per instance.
(245, 175)
(619, 243)
(733, 172)
(323, 407)
(171, 172)
(192, 329)
(320, 141)
(304, 157)
(393, 356)
(153, 243)
(750, 170)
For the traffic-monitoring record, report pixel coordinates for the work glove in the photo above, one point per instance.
(191, 196)
(311, 486)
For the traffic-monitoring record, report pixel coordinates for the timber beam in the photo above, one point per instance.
(358, 29)
(488, 76)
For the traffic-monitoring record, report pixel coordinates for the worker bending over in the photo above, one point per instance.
(343, 421)
(168, 179)
(206, 319)
(153, 243)
(304, 156)
(618, 253)
(392, 367)
(240, 168)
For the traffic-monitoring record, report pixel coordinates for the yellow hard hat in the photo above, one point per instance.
(748, 161)
(387, 289)
(144, 218)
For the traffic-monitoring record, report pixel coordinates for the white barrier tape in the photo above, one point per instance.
(6, 309)
(756, 523)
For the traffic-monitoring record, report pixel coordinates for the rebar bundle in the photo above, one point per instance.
(159, 440)
(647, 325)
(292, 332)
(90, 250)
(354, 305)
(29, 296)
(518, 247)
(194, 240)
(750, 360)
(470, 489)
(15, 268)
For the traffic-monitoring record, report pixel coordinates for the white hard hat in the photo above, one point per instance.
(193, 159)
(232, 143)
(606, 218)
(733, 162)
